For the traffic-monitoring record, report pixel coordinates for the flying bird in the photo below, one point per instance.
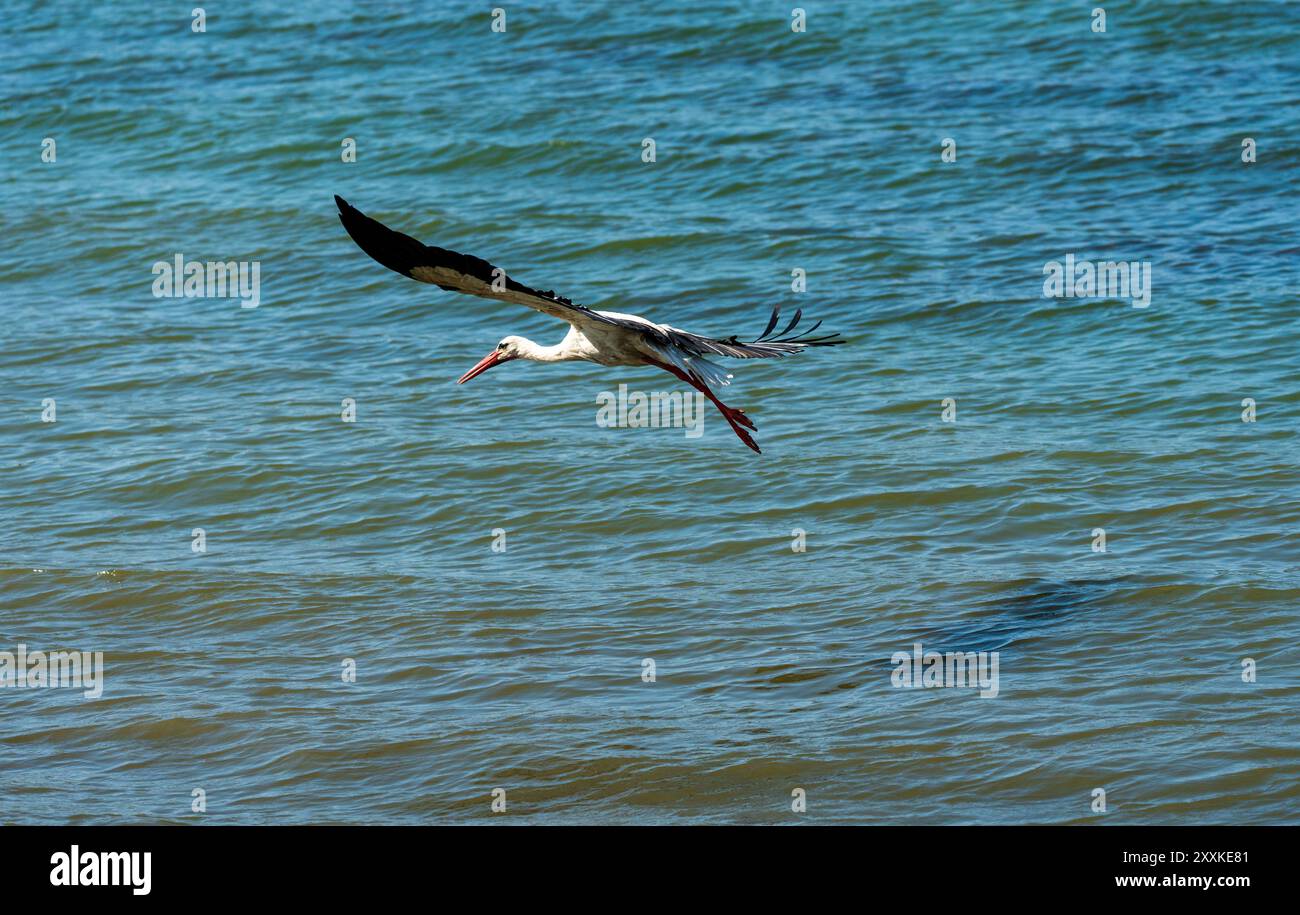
(603, 337)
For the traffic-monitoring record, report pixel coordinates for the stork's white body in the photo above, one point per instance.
(603, 344)
(618, 344)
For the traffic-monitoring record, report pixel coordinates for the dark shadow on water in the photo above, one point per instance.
(1035, 606)
(992, 622)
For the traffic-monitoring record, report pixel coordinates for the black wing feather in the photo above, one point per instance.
(762, 346)
(451, 270)
(776, 313)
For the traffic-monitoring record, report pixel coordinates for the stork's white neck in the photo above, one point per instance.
(560, 352)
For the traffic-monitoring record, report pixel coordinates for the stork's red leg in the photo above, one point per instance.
(736, 418)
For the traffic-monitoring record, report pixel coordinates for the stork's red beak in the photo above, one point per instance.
(491, 359)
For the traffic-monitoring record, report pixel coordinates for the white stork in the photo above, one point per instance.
(603, 337)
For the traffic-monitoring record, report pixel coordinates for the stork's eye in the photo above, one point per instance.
(501, 346)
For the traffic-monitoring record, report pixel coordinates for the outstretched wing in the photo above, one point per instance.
(451, 270)
(764, 346)
(464, 273)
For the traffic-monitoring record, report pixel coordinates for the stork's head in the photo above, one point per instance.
(509, 348)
